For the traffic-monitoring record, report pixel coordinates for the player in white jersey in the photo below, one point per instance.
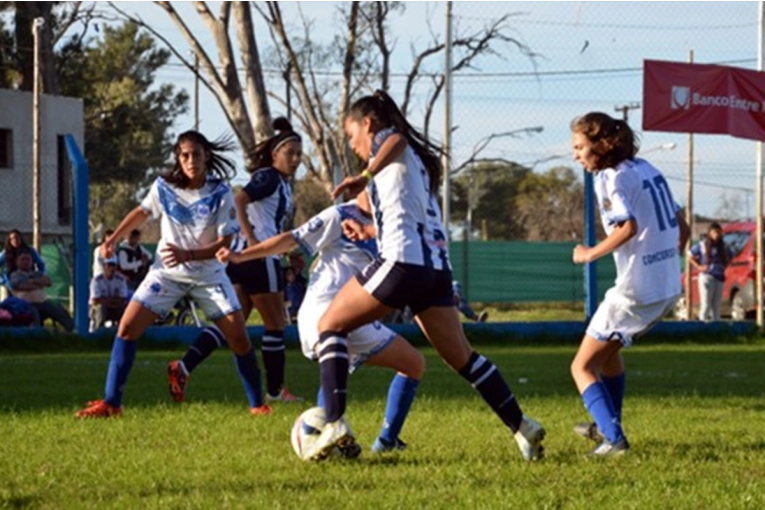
(646, 233)
(412, 270)
(197, 217)
(264, 208)
(338, 259)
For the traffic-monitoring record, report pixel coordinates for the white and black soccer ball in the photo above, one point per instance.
(307, 429)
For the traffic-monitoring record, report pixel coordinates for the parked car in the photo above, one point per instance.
(738, 301)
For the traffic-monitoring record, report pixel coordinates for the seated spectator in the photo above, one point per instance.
(464, 307)
(17, 312)
(134, 259)
(98, 261)
(14, 245)
(29, 285)
(108, 296)
(294, 292)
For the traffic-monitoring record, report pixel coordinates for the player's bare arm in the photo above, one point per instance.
(622, 233)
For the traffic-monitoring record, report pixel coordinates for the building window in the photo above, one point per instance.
(6, 148)
(63, 182)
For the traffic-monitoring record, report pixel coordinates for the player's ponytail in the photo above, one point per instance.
(265, 149)
(383, 112)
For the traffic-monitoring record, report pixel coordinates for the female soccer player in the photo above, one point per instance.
(338, 259)
(412, 269)
(264, 207)
(646, 234)
(197, 217)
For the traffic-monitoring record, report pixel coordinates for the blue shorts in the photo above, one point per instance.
(260, 276)
(396, 284)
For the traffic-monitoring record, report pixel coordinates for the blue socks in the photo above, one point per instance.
(333, 365)
(598, 402)
(247, 365)
(483, 375)
(401, 393)
(123, 356)
(615, 386)
(205, 344)
(273, 360)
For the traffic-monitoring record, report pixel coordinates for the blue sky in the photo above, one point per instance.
(591, 56)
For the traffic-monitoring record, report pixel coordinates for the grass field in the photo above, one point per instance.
(694, 414)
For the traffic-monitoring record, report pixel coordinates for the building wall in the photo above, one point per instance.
(58, 116)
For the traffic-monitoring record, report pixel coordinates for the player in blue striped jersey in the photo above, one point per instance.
(412, 269)
(338, 259)
(264, 208)
(646, 233)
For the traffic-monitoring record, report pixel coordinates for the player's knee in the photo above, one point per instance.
(240, 344)
(417, 366)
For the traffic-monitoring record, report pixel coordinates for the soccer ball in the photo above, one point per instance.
(307, 429)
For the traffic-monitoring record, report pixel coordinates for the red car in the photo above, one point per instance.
(738, 294)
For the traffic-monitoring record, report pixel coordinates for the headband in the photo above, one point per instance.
(284, 137)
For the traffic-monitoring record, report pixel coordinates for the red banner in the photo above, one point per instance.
(702, 98)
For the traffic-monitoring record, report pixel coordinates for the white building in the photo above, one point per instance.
(59, 116)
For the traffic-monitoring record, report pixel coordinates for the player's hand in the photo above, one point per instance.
(354, 230)
(350, 187)
(173, 255)
(223, 255)
(581, 254)
(107, 250)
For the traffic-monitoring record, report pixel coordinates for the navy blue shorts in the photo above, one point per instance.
(260, 276)
(397, 285)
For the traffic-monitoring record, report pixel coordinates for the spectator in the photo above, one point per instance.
(134, 259)
(108, 295)
(294, 292)
(710, 257)
(14, 245)
(29, 285)
(464, 307)
(98, 261)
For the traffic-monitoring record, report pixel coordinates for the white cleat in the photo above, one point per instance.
(529, 438)
(335, 436)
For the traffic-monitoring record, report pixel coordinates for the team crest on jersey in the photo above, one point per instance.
(607, 205)
(315, 224)
(202, 211)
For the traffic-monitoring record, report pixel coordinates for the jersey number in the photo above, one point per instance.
(662, 201)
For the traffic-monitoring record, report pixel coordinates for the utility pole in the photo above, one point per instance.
(625, 109)
(37, 25)
(196, 92)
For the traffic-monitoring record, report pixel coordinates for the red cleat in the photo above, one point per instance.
(99, 409)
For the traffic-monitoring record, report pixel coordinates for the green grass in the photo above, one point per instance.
(694, 414)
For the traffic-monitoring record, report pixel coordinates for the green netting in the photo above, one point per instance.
(518, 271)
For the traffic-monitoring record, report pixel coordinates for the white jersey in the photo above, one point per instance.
(191, 219)
(339, 258)
(270, 208)
(98, 261)
(103, 287)
(406, 214)
(648, 265)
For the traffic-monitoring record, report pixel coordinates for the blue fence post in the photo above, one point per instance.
(81, 246)
(590, 270)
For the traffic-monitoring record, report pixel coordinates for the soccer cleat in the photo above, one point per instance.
(283, 396)
(483, 316)
(334, 435)
(588, 431)
(609, 449)
(529, 438)
(177, 380)
(382, 446)
(99, 409)
(261, 410)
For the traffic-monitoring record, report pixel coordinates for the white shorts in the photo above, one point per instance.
(622, 320)
(216, 297)
(363, 342)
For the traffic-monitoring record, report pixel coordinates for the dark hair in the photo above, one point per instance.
(383, 112)
(612, 139)
(264, 150)
(11, 252)
(217, 164)
(722, 252)
(135, 233)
